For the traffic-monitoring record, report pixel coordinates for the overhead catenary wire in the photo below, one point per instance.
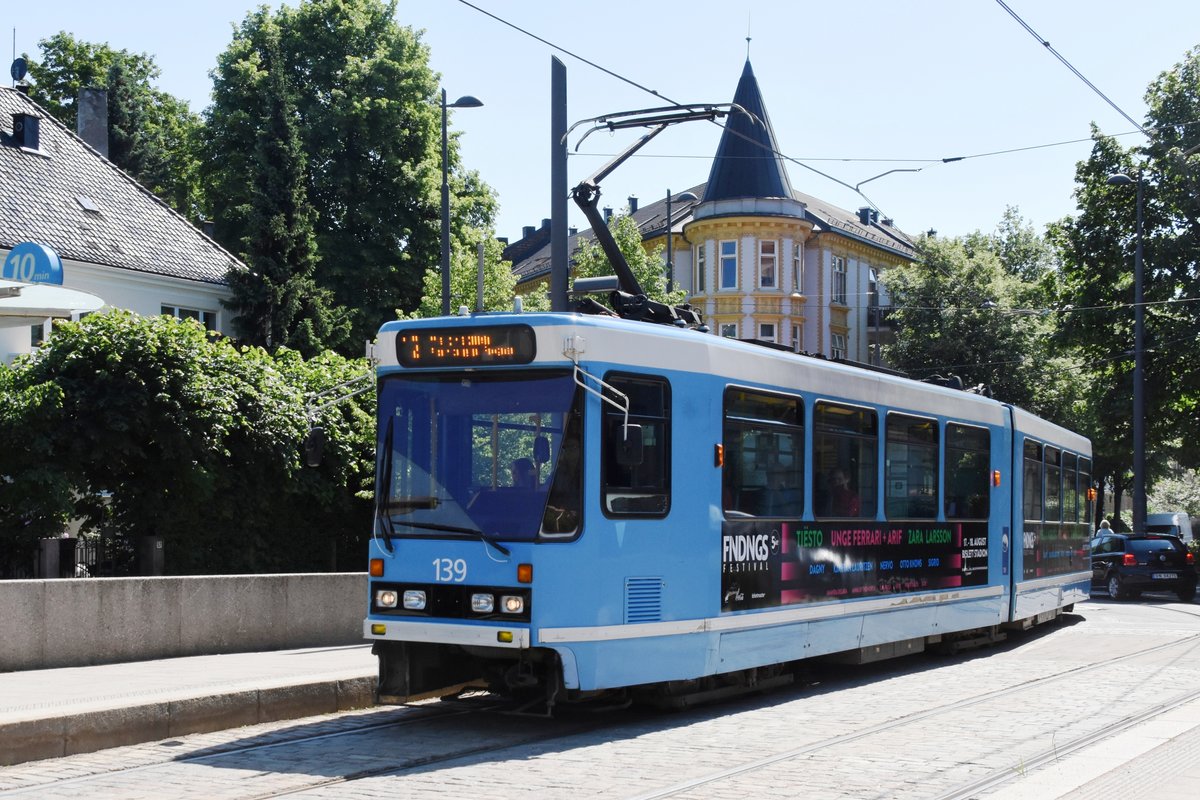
(801, 162)
(1045, 43)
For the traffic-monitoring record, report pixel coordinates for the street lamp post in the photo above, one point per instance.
(684, 197)
(466, 101)
(1139, 364)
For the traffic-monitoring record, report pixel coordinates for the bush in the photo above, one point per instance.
(150, 426)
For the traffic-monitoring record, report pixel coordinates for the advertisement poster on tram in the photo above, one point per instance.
(774, 563)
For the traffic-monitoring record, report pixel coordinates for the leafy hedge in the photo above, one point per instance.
(150, 426)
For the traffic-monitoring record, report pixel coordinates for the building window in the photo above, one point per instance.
(699, 283)
(797, 268)
(729, 265)
(206, 318)
(837, 345)
(796, 340)
(729, 330)
(767, 263)
(766, 331)
(839, 280)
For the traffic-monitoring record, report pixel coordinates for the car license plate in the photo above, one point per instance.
(1165, 576)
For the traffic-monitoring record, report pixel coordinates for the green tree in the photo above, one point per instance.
(152, 135)
(368, 107)
(960, 311)
(68, 65)
(1097, 250)
(150, 426)
(646, 265)
(499, 282)
(277, 301)
(1179, 490)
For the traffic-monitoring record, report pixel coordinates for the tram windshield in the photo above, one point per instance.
(491, 455)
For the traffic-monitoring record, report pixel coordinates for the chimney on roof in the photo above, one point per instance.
(545, 223)
(607, 215)
(527, 231)
(23, 88)
(867, 215)
(26, 130)
(502, 240)
(633, 204)
(92, 122)
(571, 231)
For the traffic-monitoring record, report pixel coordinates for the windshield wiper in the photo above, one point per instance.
(478, 534)
(403, 505)
(385, 480)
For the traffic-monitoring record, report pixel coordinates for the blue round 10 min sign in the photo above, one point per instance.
(30, 262)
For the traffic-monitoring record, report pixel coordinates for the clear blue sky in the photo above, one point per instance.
(854, 89)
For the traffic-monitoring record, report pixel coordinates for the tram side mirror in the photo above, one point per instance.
(314, 446)
(541, 449)
(629, 445)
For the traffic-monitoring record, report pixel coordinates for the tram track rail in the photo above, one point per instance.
(993, 779)
(1051, 754)
(469, 712)
(425, 714)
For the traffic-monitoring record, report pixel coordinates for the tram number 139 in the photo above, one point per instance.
(446, 570)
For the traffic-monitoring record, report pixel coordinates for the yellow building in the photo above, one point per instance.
(759, 259)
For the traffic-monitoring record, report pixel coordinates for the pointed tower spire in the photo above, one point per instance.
(747, 164)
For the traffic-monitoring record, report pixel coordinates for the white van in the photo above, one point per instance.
(1174, 522)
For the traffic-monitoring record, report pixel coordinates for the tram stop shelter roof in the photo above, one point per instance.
(30, 303)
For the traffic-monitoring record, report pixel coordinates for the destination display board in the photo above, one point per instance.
(482, 345)
(770, 563)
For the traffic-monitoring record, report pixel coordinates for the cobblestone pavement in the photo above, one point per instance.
(1104, 704)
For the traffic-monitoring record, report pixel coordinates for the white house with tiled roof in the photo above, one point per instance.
(762, 260)
(116, 240)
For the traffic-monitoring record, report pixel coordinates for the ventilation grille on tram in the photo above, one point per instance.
(643, 600)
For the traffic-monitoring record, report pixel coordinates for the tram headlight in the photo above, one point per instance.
(512, 604)
(414, 599)
(483, 603)
(386, 598)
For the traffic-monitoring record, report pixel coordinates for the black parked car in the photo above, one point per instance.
(1128, 564)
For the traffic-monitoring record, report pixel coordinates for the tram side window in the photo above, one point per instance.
(642, 489)
(1070, 489)
(763, 473)
(968, 458)
(1053, 484)
(1085, 483)
(1032, 480)
(911, 467)
(845, 443)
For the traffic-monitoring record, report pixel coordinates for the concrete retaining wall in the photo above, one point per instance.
(75, 622)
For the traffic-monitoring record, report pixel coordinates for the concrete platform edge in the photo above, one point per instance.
(89, 731)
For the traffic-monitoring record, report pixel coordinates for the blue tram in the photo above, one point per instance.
(571, 504)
